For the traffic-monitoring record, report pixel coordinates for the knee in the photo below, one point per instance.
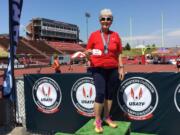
(109, 96)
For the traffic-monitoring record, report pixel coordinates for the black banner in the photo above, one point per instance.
(64, 102)
(49, 103)
(150, 101)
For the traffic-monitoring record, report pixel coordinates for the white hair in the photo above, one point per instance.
(106, 12)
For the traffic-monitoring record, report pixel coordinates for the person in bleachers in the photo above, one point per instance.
(70, 66)
(104, 50)
(56, 64)
(178, 63)
(16, 61)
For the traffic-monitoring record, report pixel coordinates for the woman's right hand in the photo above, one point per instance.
(88, 53)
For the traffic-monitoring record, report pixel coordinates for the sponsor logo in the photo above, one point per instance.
(83, 95)
(138, 98)
(177, 97)
(4, 66)
(47, 95)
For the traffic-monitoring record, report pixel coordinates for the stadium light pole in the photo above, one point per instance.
(130, 30)
(87, 15)
(162, 27)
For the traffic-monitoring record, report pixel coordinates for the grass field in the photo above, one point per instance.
(3, 53)
(136, 52)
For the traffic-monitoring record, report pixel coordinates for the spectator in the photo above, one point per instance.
(70, 65)
(56, 64)
(178, 63)
(16, 61)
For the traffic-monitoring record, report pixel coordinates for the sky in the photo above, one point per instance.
(146, 18)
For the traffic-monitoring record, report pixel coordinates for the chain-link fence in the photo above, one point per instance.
(20, 106)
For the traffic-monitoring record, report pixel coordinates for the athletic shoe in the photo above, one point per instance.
(110, 123)
(98, 126)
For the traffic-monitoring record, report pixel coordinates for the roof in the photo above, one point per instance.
(53, 21)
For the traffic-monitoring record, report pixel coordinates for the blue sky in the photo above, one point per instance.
(145, 14)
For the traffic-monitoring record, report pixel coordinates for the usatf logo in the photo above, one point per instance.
(177, 97)
(138, 98)
(47, 95)
(83, 96)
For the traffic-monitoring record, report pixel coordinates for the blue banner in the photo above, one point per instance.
(15, 7)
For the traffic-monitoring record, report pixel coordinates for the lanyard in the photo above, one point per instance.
(105, 43)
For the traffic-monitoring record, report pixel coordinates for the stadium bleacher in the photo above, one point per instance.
(43, 47)
(66, 47)
(41, 50)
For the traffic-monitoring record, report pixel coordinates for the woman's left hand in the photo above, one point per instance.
(121, 73)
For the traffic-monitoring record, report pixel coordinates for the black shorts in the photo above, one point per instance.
(106, 82)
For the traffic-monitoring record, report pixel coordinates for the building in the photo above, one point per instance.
(50, 30)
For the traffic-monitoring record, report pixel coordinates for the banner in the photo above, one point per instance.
(58, 102)
(15, 7)
(150, 101)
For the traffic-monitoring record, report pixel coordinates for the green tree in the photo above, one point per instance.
(148, 46)
(153, 46)
(127, 47)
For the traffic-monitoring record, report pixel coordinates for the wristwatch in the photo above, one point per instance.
(121, 66)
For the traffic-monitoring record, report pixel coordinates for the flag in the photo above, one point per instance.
(15, 7)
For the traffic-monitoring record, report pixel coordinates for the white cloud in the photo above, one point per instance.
(171, 38)
(141, 37)
(175, 33)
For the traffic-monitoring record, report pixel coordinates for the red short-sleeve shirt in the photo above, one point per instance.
(109, 60)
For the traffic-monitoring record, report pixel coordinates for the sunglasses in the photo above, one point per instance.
(106, 19)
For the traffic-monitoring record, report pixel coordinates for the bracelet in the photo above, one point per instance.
(121, 66)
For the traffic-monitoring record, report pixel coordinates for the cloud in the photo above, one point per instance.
(175, 33)
(141, 37)
(171, 38)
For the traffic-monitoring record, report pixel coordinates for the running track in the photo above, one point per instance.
(82, 69)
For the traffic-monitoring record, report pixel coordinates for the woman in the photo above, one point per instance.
(178, 63)
(56, 65)
(104, 50)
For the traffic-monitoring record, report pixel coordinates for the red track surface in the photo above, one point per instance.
(82, 69)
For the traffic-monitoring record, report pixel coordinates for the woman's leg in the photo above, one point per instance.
(107, 107)
(99, 83)
(111, 88)
(98, 107)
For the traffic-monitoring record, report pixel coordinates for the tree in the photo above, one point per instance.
(153, 46)
(127, 47)
(148, 46)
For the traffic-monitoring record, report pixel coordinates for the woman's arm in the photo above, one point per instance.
(120, 67)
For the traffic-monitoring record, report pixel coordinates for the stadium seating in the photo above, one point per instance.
(41, 50)
(43, 47)
(66, 47)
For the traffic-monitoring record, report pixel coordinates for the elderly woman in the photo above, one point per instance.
(104, 50)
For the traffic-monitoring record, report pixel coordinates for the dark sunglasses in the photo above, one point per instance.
(106, 19)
